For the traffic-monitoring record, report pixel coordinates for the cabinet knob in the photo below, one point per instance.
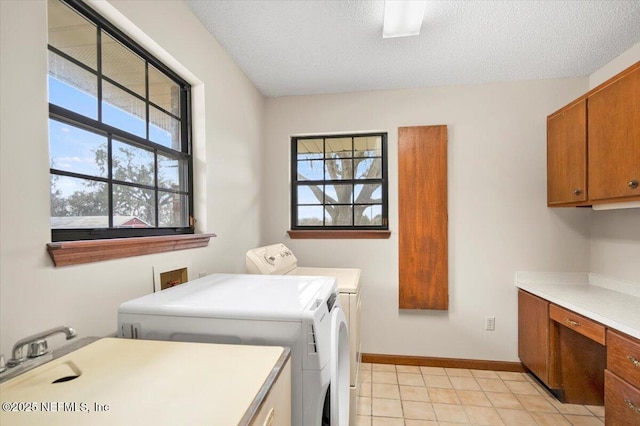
(633, 184)
(577, 191)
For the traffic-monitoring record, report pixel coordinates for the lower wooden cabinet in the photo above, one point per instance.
(622, 380)
(580, 360)
(533, 334)
(622, 401)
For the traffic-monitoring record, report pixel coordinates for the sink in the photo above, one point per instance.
(48, 374)
(127, 381)
(32, 363)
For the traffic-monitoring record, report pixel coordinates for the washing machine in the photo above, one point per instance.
(277, 259)
(302, 313)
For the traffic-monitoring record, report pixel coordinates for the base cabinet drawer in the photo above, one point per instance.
(621, 401)
(623, 357)
(588, 328)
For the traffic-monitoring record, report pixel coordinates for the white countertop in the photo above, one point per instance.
(613, 303)
(145, 382)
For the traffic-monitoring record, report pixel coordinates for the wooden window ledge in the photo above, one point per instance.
(67, 253)
(338, 234)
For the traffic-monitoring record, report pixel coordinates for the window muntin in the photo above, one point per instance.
(339, 182)
(120, 156)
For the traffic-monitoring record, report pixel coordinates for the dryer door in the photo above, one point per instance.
(339, 368)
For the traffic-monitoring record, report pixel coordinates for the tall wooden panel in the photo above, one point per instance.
(422, 209)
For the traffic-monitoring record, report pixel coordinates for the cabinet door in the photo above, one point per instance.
(567, 155)
(533, 334)
(622, 401)
(614, 139)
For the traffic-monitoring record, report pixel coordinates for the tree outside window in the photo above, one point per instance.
(339, 182)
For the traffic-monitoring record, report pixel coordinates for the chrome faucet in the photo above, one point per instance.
(37, 344)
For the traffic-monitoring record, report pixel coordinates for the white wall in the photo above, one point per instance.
(615, 235)
(34, 295)
(498, 219)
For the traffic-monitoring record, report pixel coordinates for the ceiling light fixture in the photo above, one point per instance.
(402, 18)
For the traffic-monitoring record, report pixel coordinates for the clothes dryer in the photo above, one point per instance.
(301, 313)
(277, 259)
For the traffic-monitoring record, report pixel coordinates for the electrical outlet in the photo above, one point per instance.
(202, 274)
(490, 323)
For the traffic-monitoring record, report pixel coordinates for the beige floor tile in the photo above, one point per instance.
(550, 419)
(458, 372)
(437, 381)
(485, 374)
(384, 377)
(418, 410)
(522, 388)
(386, 421)
(583, 420)
(464, 383)
(365, 366)
(510, 375)
(450, 413)
(574, 409)
(433, 371)
(410, 379)
(443, 396)
(364, 389)
(493, 385)
(384, 390)
(541, 389)
(536, 403)
(386, 407)
(596, 410)
(408, 369)
(485, 416)
(397, 395)
(363, 420)
(364, 406)
(512, 417)
(412, 422)
(504, 400)
(414, 393)
(383, 367)
(471, 397)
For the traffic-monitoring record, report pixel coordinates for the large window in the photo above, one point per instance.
(339, 182)
(119, 135)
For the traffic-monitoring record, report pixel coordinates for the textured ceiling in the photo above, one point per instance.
(319, 46)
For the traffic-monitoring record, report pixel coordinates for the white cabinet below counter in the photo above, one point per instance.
(143, 382)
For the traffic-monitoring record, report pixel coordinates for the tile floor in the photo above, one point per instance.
(400, 395)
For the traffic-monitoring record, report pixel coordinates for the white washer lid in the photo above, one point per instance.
(348, 278)
(237, 296)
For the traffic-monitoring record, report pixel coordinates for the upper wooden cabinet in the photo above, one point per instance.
(567, 155)
(614, 139)
(593, 145)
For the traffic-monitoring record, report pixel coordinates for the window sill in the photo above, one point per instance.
(67, 253)
(338, 234)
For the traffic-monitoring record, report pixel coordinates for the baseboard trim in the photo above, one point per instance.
(474, 364)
